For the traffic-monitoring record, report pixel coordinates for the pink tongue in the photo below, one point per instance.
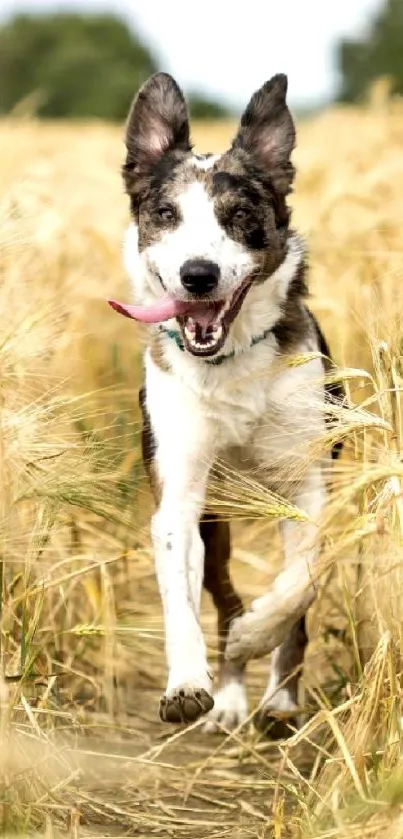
(166, 309)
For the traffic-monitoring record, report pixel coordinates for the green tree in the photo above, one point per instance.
(74, 65)
(201, 107)
(378, 53)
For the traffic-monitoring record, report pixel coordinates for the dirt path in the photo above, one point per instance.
(137, 776)
(140, 779)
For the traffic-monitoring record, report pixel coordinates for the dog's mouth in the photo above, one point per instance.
(204, 324)
(205, 328)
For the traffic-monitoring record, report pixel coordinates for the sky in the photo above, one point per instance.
(228, 48)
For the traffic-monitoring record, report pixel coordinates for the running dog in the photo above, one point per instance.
(221, 278)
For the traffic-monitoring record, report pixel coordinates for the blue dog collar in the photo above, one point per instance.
(175, 336)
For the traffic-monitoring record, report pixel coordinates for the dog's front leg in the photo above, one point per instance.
(179, 557)
(179, 453)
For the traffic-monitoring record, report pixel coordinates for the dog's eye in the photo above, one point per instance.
(240, 214)
(165, 212)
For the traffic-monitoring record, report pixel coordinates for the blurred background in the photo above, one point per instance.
(82, 665)
(84, 59)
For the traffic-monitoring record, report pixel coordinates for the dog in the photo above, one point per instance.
(221, 278)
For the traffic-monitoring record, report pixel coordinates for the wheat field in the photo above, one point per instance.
(82, 751)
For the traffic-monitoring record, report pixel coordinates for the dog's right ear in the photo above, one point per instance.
(157, 123)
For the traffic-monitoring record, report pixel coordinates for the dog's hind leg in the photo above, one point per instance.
(230, 702)
(279, 707)
(271, 618)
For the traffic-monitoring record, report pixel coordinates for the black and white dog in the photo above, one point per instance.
(222, 277)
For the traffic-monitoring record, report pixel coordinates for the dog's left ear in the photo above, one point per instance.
(157, 123)
(267, 131)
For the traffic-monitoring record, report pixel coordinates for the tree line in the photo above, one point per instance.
(77, 66)
(88, 65)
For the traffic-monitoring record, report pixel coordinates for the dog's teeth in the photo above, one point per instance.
(217, 331)
(189, 333)
(211, 339)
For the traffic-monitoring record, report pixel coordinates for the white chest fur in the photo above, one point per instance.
(247, 403)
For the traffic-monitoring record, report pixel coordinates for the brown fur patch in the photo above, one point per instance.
(217, 581)
(167, 181)
(157, 124)
(295, 324)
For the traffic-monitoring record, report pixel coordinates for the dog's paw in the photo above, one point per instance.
(275, 725)
(185, 704)
(230, 709)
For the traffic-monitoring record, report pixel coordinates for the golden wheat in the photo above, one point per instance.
(81, 641)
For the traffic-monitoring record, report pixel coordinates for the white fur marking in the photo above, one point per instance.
(230, 708)
(205, 163)
(275, 697)
(199, 236)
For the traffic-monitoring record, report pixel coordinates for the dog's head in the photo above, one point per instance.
(207, 227)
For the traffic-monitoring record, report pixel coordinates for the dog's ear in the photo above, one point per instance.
(267, 131)
(158, 122)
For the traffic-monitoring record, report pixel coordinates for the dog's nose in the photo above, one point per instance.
(199, 276)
